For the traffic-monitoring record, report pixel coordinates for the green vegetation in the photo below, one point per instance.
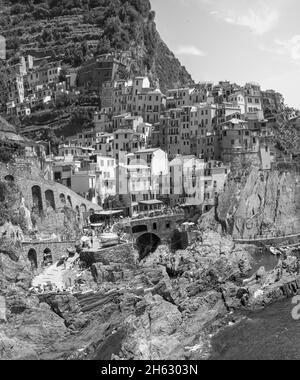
(74, 30)
(9, 151)
(287, 135)
(9, 197)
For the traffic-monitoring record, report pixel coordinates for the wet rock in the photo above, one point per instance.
(232, 296)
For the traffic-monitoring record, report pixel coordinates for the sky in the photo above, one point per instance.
(237, 40)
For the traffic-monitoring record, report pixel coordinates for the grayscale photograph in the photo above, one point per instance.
(149, 183)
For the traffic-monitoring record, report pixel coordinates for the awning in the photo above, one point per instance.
(96, 224)
(110, 212)
(151, 202)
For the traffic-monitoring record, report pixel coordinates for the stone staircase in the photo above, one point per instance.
(55, 275)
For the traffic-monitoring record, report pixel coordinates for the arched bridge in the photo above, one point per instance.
(35, 253)
(149, 232)
(42, 194)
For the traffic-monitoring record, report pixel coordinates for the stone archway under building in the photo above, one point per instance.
(62, 198)
(32, 257)
(47, 257)
(9, 178)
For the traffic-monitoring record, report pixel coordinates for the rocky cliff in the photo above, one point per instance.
(74, 30)
(264, 203)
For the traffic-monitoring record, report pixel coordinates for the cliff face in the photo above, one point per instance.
(265, 203)
(74, 30)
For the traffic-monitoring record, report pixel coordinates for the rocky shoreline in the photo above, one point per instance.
(166, 307)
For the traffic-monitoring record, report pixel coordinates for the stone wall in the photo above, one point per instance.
(58, 249)
(162, 226)
(121, 254)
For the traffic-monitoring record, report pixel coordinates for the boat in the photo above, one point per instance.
(109, 239)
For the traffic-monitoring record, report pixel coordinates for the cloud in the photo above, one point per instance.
(190, 50)
(259, 21)
(290, 48)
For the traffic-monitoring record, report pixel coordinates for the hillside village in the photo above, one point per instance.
(142, 145)
(137, 207)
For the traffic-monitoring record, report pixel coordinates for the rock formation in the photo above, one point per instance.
(264, 203)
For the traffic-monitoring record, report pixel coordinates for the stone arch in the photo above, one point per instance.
(9, 178)
(47, 257)
(32, 257)
(147, 243)
(50, 201)
(91, 211)
(69, 201)
(37, 199)
(77, 209)
(83, 211)
(62, 198)
(83, 208)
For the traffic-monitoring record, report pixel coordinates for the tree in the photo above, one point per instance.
(103, 46)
